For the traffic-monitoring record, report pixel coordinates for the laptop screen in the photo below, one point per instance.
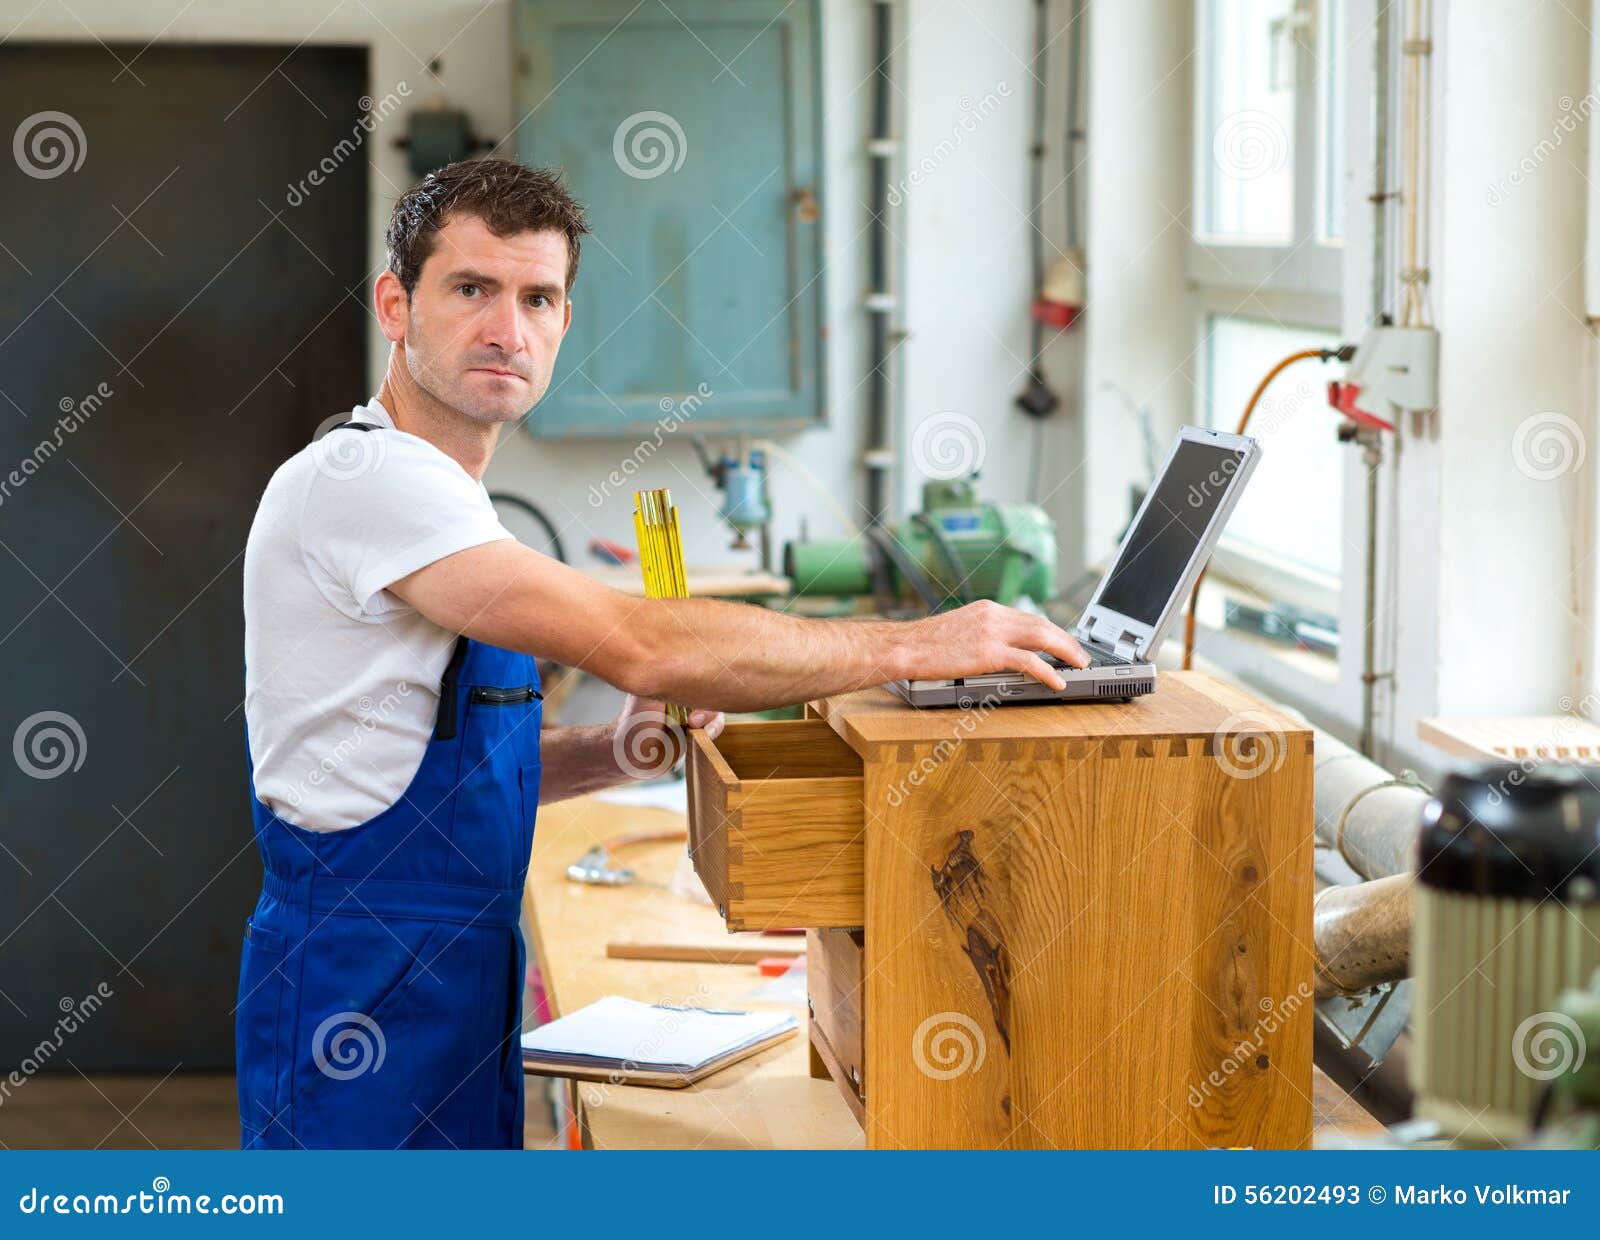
(1171, 527)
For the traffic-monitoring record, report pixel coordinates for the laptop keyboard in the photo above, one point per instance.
(1097, 657)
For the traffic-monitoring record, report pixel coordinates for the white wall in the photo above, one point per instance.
(1141, 313)
(961, 234)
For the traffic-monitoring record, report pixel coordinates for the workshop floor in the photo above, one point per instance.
(184, 1111)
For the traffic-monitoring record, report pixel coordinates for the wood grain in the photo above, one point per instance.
(1185, 704)
(835, 965)
(725, 949)
(1087, 926)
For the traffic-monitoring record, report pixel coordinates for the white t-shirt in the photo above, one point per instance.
(341, 677)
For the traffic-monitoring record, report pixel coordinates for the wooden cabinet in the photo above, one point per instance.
(1078, 926)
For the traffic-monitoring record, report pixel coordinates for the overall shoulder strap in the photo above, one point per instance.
(444, 723)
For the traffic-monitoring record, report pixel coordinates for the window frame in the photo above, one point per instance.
(1298, 284)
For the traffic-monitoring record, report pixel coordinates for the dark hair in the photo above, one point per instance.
(507, 196)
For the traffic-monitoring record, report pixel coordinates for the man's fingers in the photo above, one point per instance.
(1030, 664)
(1064, 646)
(710, 720)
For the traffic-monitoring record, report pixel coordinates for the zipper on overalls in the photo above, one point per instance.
(491, 696)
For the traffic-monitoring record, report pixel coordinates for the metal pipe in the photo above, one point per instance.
(1362, 934)
(1367, 815)
(1381, 58)
(880, 151)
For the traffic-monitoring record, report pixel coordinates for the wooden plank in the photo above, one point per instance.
(1185, 704)
(768, 1101)
(835, 964)
(1516, 738)
(726, 949)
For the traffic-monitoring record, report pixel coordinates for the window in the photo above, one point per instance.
(1289, 518)
(1269, 187)
(1246, 188)
(1269, 145)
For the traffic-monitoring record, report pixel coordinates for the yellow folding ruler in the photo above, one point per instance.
(655, 522)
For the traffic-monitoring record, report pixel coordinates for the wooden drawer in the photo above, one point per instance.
(775, 824)
(835, 979)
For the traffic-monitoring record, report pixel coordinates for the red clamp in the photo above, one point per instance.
(1343, 396)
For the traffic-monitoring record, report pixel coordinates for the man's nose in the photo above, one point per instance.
(501, 326)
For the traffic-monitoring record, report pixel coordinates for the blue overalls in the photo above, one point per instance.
(380, 991)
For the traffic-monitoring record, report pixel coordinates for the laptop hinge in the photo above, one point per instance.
(1124, 643)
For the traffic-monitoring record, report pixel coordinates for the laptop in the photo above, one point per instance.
(1164, 550)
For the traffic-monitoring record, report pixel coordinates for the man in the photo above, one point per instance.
(392, 699)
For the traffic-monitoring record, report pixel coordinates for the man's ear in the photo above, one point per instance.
(392, 306)
(567, 322)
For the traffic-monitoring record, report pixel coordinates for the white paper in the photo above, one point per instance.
(622, 1031)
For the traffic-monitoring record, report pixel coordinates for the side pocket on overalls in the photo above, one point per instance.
(256, 1033)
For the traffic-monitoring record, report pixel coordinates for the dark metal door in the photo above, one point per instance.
(175, 320)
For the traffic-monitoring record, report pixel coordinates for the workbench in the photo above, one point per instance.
(770, 1101)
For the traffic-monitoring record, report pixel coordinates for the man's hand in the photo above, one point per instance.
(646, 743)
(986, 637)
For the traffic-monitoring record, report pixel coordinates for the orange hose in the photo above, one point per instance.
(1249, 408)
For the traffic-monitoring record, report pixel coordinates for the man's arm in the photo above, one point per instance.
(638, 744)
(725, 656)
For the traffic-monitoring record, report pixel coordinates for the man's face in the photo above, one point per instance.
(486, 319)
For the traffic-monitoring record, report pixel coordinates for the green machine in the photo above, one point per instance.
(957, 549)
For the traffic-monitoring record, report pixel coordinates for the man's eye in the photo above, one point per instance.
(463, 289)
(538, 301)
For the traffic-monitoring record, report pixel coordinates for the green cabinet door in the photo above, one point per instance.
(691, 132)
